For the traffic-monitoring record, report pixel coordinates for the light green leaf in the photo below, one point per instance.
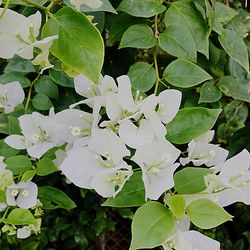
(183, 73)
(28, 175)
(138, 36)
(20, 217)
(13, 125)
(178, 41)
(106, 6)
(206, 214)
(41, 102)
(80, 45)
(190, 180)
(45, 166)
(47, 87)
(53, 198)
(190, 123)
(151, 225)
(209, 93)
(145, 8)
(235, 47)
(177, 205)
(132, 194)
(236, 88)
(18, 164)
(142, 76)
(183, 13)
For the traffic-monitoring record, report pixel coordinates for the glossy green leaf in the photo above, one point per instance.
(235, 47)
(53, 198)
(6, 151)
(132, 194)
(47, 87)
(41, 102)
(190, 180)
(151, 225)
(13, 125)
(20, 216)
(80, 45)
(18, 164)
(28, 175)
(206, 214)
(61, 78)
(178, 41)
(235, 88)
(177, 204)
(183, 13)
(183, 73)
(145, 8)
(18, 64)
(142, 76)
(15, 76)
(209, 93)
(190, 123)
(45, 166)
(138, 36)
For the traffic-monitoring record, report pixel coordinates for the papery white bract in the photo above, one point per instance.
(200, 152)
(26, 231)
(40, 133)
(156, 160)
(11, 94)
(23, 194)
(93, 4)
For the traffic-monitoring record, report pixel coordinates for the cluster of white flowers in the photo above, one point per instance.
(18, 37)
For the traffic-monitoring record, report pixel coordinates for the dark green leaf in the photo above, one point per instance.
(45, 166)
(209, 93)
(42, 102)
(18, 164)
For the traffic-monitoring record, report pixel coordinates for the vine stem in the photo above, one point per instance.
(5, 213)
(29, 93)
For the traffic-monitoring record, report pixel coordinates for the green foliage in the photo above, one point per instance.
(155, 229)
(18, 164)
(20, 216)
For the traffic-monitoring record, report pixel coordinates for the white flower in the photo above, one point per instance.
(40, 133)
(200, 152)
(156, 160)
(26, 231)
(23, 194)
(93, 4)
(184, 239)
(11, 94)
(234, 177)
(6, 178)
(98, 164)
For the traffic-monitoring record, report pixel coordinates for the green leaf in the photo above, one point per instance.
(184, 74)
(45, 166)
(106, 6)
(178, 41)
(13, 124)
(61, 78)
(190, 180)
(18, 64)
(2, 196)
(80, 45)
(235, 88)
(183, 13)
(142, 76)
(151, 225)
(235, 47)
(138, 36)
(41, 102)
(47, 87)
(20, 217)
(206, 214)
(209, 93)
(177, 205)
(53, 198)
(18, 164)
(28, 175)
(132, 194)
(15, 76)
(145, 8)
(6, 151)
(190, 123)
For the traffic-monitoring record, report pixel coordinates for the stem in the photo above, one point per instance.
(39, 6)
(5, 8)
(5, 213)
(157, 71)
(29, 94)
